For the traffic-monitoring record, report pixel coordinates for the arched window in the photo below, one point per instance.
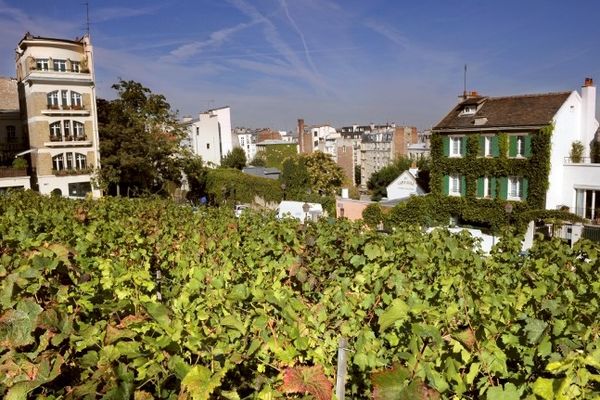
(55, 131)
(76, 101)
(58, 162)
(53, 99)
(80, 161)
(78, 130)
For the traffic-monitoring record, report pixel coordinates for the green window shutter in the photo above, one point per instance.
(463, 146)
(493, 188)
(481, 146)
(480, 183)
(463, 186)
(446, 185)
(512, 146)
(528, 146)
(525, 187)
(503, 188)
(495, 147)
(446, 143)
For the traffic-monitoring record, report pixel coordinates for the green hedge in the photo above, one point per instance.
(232, 185)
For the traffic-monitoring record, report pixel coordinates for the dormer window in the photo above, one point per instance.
(469, 109)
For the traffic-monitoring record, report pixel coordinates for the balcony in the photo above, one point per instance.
(68, 141)
(9, 172)
(54, 109)
(50, 75)
(73, 171)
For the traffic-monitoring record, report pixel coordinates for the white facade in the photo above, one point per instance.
(574, 121)
(405, 185)
(57, 90)
(247, 141)
(210, 135)
(321, 132)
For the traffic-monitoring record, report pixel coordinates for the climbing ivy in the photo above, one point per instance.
(470, 209)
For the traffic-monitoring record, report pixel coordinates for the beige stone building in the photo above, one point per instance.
(57, 102)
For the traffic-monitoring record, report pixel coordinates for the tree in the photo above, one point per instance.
(236, 158)
(379, 181)
(139, 141)
(357, 175)
(196, 174)
(259, 160)
(315, 171)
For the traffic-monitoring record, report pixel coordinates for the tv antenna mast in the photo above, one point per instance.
(465, 83)
(87, 17)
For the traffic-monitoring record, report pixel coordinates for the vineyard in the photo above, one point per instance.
(145, 299)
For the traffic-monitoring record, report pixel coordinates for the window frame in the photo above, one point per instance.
(58, 162)
(454, 179)
(452, 140)
(42, 64)
(59, 65)
(53, 99)
(75, 66)
(487, 146)
(514, 182)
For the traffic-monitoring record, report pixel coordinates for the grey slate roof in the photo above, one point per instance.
(513, 111)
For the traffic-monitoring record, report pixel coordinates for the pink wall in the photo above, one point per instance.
(352, 208)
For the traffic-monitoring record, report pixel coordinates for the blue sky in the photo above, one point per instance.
(327, 61)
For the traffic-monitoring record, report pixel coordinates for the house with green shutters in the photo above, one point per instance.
(495, 150)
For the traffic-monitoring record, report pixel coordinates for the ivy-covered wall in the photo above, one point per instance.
(468, 208)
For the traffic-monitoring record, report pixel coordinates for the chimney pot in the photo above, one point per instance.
(588, 82)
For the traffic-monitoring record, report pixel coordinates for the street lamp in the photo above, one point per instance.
(508, 209)
(305, 208)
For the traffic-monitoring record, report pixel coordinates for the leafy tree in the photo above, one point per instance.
(196, 174)
(259, 160)
(236, 158)
(357, 175)
(379, 181)
(139, 141)
(315, 172)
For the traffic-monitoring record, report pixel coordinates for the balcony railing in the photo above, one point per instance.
(77, 138)
(581, 160)
(9, 172)
(65, 107)
(34, 68)
(73, 171)
(590, 213)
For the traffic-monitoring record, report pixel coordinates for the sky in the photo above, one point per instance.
(337, 62)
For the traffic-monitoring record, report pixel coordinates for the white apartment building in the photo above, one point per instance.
(57, 96)
(210, 135)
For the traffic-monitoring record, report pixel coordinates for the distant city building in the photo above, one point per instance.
(210, 135)
(246, 139)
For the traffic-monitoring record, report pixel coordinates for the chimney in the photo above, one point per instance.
(589, 124)
(301, 134)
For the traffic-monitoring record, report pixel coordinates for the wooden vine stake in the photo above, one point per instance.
(340, 381)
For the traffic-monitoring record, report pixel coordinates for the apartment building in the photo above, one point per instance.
(210, 135)
(57, 108)
(12, 139)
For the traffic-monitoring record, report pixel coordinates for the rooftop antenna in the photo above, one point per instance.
(87, 17)
(465, 83)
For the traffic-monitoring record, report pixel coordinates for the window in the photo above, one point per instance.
(79, 189)
(519, 146)
(76, 100)
(515, 188)
(60, 65)
(69, 159)
(67, 129)
(487, 146)
(486, 187)
(75, 66)
(53, 99)
(11, 133)
(64, 96)
(58, 162)
(80, 161)
(468, 110)
(78, 130)
(42, 64)
(454, 187)
(55, 131)
(456, 146)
